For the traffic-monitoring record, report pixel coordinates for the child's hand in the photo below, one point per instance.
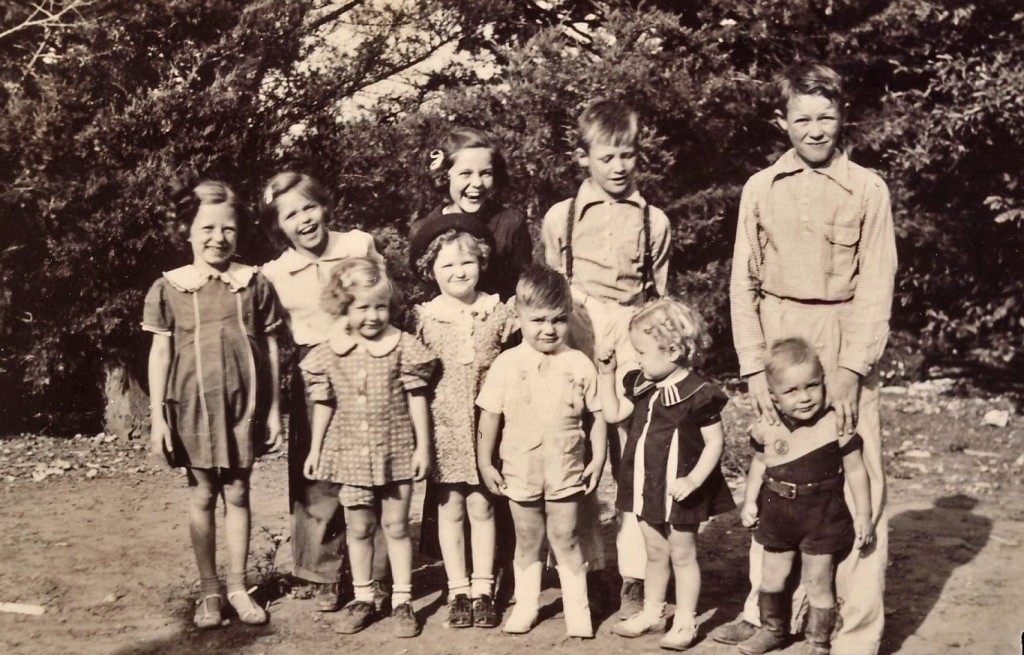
(159, 439)
(606, 362)
(592, 476)
(275, 434)
(493, 479)
(680, 488)
(420, 464)
(748, 515)
(865, 529)
(310, 466)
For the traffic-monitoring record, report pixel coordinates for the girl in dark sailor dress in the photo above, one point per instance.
(670, 475)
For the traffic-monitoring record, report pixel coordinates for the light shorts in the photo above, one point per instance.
(546, 468)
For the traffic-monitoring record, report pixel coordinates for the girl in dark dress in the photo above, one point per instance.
(670, 475)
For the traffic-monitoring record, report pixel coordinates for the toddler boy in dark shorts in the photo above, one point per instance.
(794, 497)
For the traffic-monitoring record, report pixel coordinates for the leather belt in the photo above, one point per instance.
(791, 490)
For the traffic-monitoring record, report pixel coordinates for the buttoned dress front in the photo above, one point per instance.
(467, 339)
(370, 439)
(542, 398)
(218, 387)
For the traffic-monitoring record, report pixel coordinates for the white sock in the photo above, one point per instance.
(482, 586)
(456, 587)
(363, 591)
(400, 593)
(654, 610)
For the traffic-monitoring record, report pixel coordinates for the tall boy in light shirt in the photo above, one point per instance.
(613, 246)
(815, 257)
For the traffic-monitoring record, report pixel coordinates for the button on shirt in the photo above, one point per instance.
(608, 244)
(298, 280)
(815, 235)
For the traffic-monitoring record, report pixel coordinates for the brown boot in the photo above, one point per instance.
(772, 633)
(818, 633)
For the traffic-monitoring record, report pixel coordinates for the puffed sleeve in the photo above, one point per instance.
(314, 374)
(157, 316)
(268, 309)
(416, 363)
(710, 402)
(629, 383)
(492, 392)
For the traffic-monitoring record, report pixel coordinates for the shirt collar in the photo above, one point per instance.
(533, 359)
(293, 261)
(450, 312)
(341, 341)
(837, 169)
(191, 279)
(672, 390)
(591, 194)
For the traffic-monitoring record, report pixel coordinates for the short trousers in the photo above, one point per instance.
(815, 524)
(550, 470)
(352, 495)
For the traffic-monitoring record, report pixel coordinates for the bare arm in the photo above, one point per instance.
(322, 413)
(599, 451)
(857, 475)
(159, 369)
(487, 439)
(755, 477)
(419, 413)
(614, 406)
(276, 430)
(714, 443)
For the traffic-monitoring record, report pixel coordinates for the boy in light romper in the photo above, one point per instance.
(615, 254)
(815, 257)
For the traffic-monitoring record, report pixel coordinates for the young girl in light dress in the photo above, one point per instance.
(467, 329)
(213, 383)
(370, 427)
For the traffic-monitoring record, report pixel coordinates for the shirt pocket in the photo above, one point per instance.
(841, 255)
(574, 396)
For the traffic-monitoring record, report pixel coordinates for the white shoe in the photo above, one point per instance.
(524, 612)
(575, 605)
(639, 624)
(682, 634)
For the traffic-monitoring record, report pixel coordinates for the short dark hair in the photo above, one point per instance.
(283, 183)
(807, 78)
(608, 121)
(789, 352)
(541, 287)
(186, 200)
(461, 138)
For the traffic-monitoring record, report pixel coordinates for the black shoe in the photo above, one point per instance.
(485, 614)
(460, 612)
(354, 617)
(328, 599)
(404, 621)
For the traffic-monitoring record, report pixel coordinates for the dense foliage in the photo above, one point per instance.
(104, 110)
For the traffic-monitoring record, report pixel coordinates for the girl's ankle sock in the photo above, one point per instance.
(363, 591)
(209, 585)
(401, 593)
(482, 585)
(236, 581)
(456, 587)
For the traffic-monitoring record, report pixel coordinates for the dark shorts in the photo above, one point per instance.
(816, 524)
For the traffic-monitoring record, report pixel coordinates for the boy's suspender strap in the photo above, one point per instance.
(646, 267)
(567, 248)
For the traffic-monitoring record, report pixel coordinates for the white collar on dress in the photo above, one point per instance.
(671, 389)
(190, 278)
(448, 311)
(292, 261)
(341, 341)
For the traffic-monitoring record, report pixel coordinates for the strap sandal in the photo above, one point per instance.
(248, 611)
(208, 612)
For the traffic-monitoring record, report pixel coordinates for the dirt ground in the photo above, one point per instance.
(94, 535)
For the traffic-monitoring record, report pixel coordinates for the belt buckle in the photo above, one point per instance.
(788, 489)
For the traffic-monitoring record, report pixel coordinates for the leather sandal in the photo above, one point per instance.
(208, 612)
(248, 611)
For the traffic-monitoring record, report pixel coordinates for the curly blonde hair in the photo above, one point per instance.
(672, 323)
(475, 246)
(348, 276)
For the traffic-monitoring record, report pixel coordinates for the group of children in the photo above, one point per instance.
(518, 381)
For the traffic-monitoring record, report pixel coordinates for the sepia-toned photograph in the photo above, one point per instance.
(492, 327)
